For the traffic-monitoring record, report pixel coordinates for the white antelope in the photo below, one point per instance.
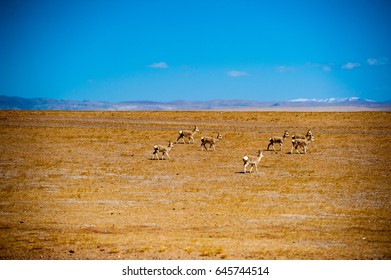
(279, 140)
(211, 141)
(188, 134)
(252, 161)
(162, 149)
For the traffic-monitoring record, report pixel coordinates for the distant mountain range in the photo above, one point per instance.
(18, 103)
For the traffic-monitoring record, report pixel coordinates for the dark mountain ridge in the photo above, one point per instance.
(19, 103)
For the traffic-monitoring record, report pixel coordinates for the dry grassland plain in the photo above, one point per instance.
(82, 185)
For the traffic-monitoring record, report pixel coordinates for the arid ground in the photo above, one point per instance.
(82, 185)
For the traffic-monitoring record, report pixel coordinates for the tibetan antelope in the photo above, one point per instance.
(301, 143)
(188, 134)
(252, 161)
(279, 140)
(211, 141)
(308, 136)
(162, 149)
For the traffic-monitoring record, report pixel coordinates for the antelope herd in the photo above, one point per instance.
(298, 141)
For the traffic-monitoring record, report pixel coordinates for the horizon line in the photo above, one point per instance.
(294, 100)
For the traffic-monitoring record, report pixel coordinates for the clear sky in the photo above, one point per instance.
(195, 49)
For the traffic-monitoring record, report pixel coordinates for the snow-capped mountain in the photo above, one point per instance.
(332, 100)
(18, 103)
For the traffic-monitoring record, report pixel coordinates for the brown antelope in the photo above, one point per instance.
(188, 134)
(279, 140)
(162, 149)
(252, 161)
(211, 141)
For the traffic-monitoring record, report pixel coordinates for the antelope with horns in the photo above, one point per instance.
(211, 141)
(252, 161)
(162, 149)
(279, 140)
(188, 134)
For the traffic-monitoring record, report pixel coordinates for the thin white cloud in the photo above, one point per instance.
(324, 67)
(283, 69)
(235, 73)
(377, 61)
(372, 61)
(161, 65)
(350, 65)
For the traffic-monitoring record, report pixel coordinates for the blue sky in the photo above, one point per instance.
(195, 49)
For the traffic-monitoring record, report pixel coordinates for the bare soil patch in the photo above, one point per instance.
(82, 185)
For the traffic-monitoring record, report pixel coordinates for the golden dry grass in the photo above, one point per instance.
(82, 185)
